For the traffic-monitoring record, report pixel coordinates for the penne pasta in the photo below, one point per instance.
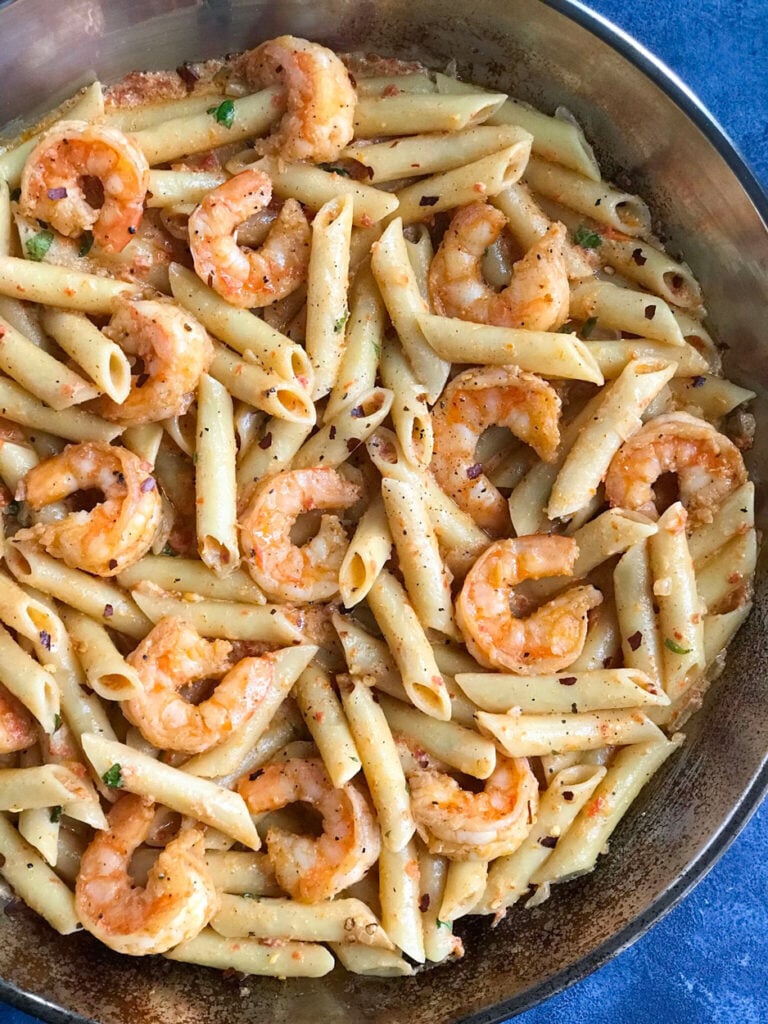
(72, 424)
(372, 962)
(640, 640)
(557, 139)
(567, 692)
(215, 484)
(102, 360)
(533, 735)
(107, 671)
(188, 576)
(411, 113)
(464, 885)
(324, 718)
(167, 188)
(410, 415)
(275, 451)
(347, 430)
(342, 920)
(29, 682)
(439, 940)
(400, 897)
(254, 956)
(367, 554)
(52, 285)
(613, 356)
(622, 309)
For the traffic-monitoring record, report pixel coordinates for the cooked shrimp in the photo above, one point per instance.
(537, 295)
(282, 569)
(248, 277)
(177, 902)
(502, 396)
(313, 869)
(463, 825)
(17, 731)
(172, 656)
(175, 351)
(320, 98)
(118, 530)
(53, 184)
(549, 639)
(708, 466)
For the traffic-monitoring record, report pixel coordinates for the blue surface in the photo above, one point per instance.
(707, 961)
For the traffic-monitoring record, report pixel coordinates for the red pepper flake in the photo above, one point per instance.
(141, 380)
(109, 611)
(266, 441)
(567, 795)
(638, 258)
(187, 74)
(428, 200)
(45, 639)
(255, 775)
(147, 485)
(57, 193)
(424, 903)
(635, 640)
(473, 472)
(567, 680)
(113, 563)
(353, 443)
(550, 842)
(649, 312)
(332, 432)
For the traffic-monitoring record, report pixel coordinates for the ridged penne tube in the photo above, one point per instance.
(371, 962)
(198, 132)
(631, 769)
(144, 440)
(427, 581)
(603, 642)
(53, 285)
(321, 710)
(726, 574)
(556, 139)
(439, 941)
(27, 616)
(719, 630)
(133, 119)
(632, 587)
(313, 187)
(593, 198)
(464, 885)
(617, 417)
(215, 484)
(198, 798)
(708, 397)
(26, 319)
(286, 726)
(229, 620)
(409, 646)
(29, 682)
(43, 376)
(240, 872)
(327, 287)
(462, 749)
(343, 433)
(411, 113)
(368, 552)
(478, 180)
(397, 282)
(254, 956)
(532, 735)
(544, 352)
(46, 785)
(696, 335)
(652, 269)
(274, 452)
(107, 671)
(613, 356)
(418, 155)
(339, 920)
(239, 328)
(680, 614)
(225, 758)
(244, 379)
(410, 415)
(400, 895)
(72, 424)
(34, 882)
(96, 597)
(167, 188)
(102, 360)
(566, 692)
(381, 763)
(377, 85)
(86, 105)
(623, 309)
(421, 252)
(188, 576)
(41, 827)
(736, 515)
(365, 332)
(453, 659)
(509, 877)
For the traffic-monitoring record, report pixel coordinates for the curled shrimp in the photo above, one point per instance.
(175, 351)
(172, 656)
(54, 176)
(320, 98)
(282, 569)
(549, 639)
(248, 277)
(313, 869)
(118, 530)
(177, 902)
(17, 731)
(474, 401)
(464, 825)
(708, 466)
(536, 297)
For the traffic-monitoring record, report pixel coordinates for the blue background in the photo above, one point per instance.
(707, 961)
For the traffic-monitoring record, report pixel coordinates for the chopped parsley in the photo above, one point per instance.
(224, 113)
(671, 645)
(113, 777)
(333, 169)
(588, 326)
(86, 244)
(37, 246)
(169, 552)
(341, 323)
(56, 723)
(56, 814)
(444, 924)
(587, 238)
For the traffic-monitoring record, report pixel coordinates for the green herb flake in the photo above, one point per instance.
(671, 645)
(587, 238)
(377, 349)
(56, 723)
(86, 243)
(113, 777)
(224, 113)
(333, 169)
(444, 924)
(56, 814)
(169, 552)
(37, 246)
(588, 326)
(341, 323)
